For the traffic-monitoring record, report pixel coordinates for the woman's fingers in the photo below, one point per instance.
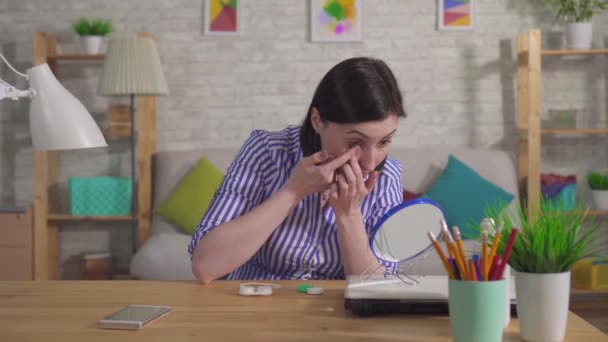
(371, 181)
(333, 193)
(342, 185)
(318, 157)
(349, 174)
(354, 164)
(351, 178)
(334, 164)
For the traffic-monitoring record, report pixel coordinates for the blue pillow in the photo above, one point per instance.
(464, 196)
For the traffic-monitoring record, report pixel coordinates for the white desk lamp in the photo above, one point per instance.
(58, 121)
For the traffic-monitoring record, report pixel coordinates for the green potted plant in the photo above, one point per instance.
(577, 14)
(92, 32)
(598, 182)
(546, 247)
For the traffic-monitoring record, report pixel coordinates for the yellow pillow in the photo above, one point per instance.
(186, 205)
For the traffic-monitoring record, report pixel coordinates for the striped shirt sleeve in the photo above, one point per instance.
(243, 187)
(390, 194)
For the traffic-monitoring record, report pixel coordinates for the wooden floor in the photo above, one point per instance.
(591, 306)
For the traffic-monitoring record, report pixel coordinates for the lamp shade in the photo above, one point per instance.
(132, 67)
(58, 121)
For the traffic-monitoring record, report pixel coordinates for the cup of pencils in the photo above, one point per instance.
(477, 291)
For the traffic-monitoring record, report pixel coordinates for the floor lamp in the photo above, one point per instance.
(132, 67)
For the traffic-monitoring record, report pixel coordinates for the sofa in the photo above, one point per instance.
(164, 255)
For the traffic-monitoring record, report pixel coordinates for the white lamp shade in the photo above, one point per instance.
(58, 121)
(132, 67)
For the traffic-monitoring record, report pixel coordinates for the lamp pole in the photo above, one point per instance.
(133, 174)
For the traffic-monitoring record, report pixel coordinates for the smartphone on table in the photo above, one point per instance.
(133, 317)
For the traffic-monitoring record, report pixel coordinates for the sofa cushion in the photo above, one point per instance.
(186, 205)
(163, 257)
(422, 165)
(464, 195)
(170, 167)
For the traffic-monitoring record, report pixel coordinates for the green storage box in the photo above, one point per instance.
(100, 196)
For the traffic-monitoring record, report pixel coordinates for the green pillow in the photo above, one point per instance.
(189, 201)
(464, 195)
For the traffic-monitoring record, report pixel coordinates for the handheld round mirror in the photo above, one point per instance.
(401, 234)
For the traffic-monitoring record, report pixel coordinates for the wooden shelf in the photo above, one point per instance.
(116, 133)
(590, 131)
(591, 212)
(583, 292)
(75, 57)
(574, 52)
(598, 213)
(67, 217)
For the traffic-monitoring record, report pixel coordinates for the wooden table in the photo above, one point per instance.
(68, 311)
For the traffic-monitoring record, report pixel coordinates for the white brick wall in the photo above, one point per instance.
(459, 87)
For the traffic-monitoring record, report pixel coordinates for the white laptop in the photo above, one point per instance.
(365, 296)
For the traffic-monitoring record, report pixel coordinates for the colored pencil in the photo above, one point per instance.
(472, 270)
(455, 268)
(460, 247)
(453, 252)
(445, 234)
(485, 261)
(507, 254)
(477, 267)
(494, 268)
(495, 242)
(444, 260)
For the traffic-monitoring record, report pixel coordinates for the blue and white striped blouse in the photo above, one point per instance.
(305, 244)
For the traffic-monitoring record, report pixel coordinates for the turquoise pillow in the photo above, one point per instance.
(464, 195)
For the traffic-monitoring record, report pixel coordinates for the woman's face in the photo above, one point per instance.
(373, 138)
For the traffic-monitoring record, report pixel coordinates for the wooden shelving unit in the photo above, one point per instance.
(66, 217)
(46, 221)
(574, 52)
(586, 131)
(113, 132)
(16, 251)
(598, 213)
(529, 76)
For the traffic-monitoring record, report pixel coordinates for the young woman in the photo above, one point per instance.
(299, 203)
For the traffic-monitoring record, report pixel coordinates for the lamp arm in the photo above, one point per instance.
(7, 90)
(10, 66)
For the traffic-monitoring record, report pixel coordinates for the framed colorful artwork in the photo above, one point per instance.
(222, 17)
(336, 20)
(456, 15)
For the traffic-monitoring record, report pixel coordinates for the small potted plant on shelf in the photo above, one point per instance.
(598, 182)
(92, 32)
(577, 14)
(545, 248)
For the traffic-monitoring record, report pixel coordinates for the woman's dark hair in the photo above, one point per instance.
(355, 90)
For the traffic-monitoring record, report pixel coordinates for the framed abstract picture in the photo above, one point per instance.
(456, 15)
(222, 17)
(336, 20)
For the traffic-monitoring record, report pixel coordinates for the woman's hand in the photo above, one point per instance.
(347, 194)
(317, 172)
